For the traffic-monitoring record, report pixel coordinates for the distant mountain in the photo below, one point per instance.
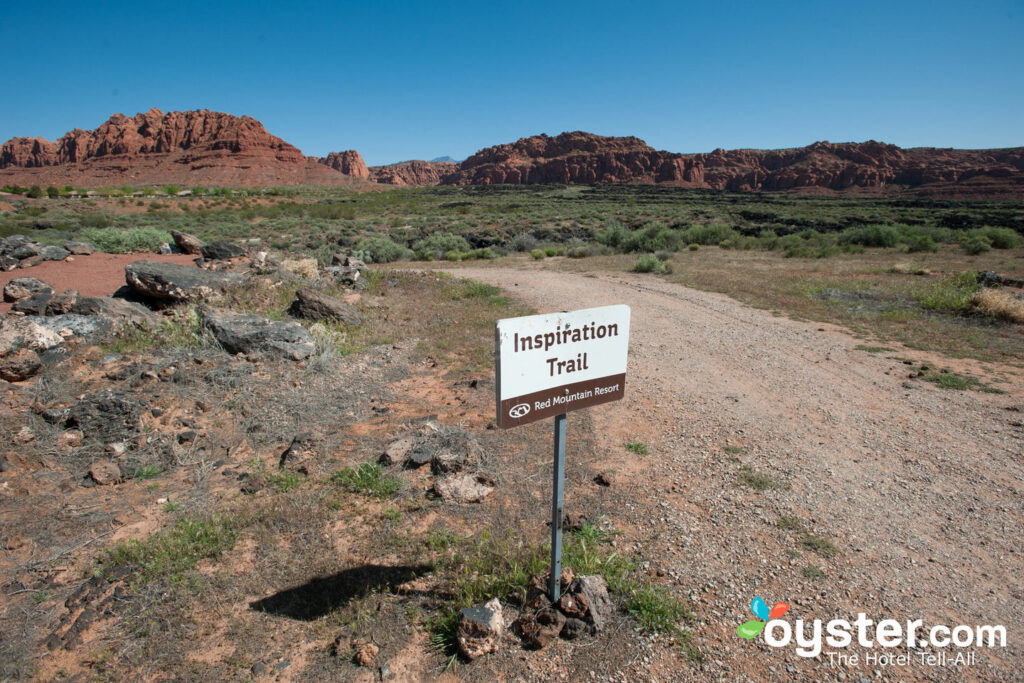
(191, 148)
(213, 148)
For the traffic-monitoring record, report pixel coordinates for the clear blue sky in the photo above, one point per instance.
(421, 80)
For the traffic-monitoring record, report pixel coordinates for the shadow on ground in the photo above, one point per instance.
(320, 596)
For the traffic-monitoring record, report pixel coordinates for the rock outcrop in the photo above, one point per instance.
(349, 163)
(414, 173)
(172, 282)
(871, 167)
(193, 148)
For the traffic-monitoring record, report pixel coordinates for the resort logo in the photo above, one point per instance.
(519, 410)
(759, 607)
(886, 642)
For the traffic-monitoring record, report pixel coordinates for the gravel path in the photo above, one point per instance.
(918, 488)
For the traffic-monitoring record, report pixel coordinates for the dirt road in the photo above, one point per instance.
(785, 463)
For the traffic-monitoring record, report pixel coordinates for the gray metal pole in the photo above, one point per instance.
(557, 505)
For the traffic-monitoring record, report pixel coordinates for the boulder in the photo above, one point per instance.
(20, 365)
(221, 251)
(464, 488)
(25, 251)
(52, 252)
(254, 334)
(26, 332)
(343, 275)
(23, 287)
(8, 263)
(85, 327)
(30, 262)
(313, 305)
(189, 244)
(113, 309)
(397, 450)
(366, 655)
(306, 268)
(33, 305)
(173, 282)
(80, 248)
(480, 629)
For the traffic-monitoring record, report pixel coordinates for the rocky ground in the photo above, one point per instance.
(204, 481)
(883, 494)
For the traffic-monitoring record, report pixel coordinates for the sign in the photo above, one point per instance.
(552, 364)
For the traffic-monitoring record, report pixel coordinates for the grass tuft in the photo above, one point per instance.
(369, 478)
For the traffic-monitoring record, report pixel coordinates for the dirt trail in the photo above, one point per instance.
(918, 488)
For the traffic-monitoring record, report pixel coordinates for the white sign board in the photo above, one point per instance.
(555, 363)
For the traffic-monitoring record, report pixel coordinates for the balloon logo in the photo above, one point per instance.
(752, 628)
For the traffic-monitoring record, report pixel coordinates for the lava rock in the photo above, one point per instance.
(20, 365)
(540, 628)
(253, 334)
(170, 281)
(313, 305)
(465, 488)
(24, 287)
(52, 252)
(188, 244)
(107, 416)
(221, 251)
(105, 472)
(80, 248)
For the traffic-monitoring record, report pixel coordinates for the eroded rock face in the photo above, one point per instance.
(414, 173)
(350, 162)
(254, 334)
(192, 147)
(175, 282)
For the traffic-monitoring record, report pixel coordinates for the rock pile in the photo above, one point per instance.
(20, 251)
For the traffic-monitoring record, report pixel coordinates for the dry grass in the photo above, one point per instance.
(999, 304)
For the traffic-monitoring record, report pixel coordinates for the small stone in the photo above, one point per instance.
(116, 449)
(105, 472)
(573, 628)
(20, 365)
(24, 436)
(541, 628)
(397, 450)
(71, 438)
(366, 655)
(480, 629)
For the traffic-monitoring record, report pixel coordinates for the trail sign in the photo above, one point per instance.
(556, 363)
(548, 365)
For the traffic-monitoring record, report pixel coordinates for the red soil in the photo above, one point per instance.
(94, 275)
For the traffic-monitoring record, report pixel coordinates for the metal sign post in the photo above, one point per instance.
(549, 365)
(557, 509)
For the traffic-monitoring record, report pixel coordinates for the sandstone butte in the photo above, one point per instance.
(212, 148)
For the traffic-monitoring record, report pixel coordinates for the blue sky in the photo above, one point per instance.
(421, 80)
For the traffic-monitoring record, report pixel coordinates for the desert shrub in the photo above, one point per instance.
(998, 238)
(614, 234)
(551, 251)
(663, 255)
(999, 304)
(870, 236)
(381, 249)
(52, 192)
(171, 189)
(94, 220)
(578, 252)
(920, 242)
(651, 264)
(524, 241)
(975, 244)
(708, 233)
(436, 246)
(794, 246)
(953, 293)
(124, 240)
(693, 247)
(537, 254)
(654, 237)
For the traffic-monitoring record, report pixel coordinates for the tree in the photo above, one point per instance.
(34, 192)
(52, 192)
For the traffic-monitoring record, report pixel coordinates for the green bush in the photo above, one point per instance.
(708, 234)
(920, 242)
(34, 192)
(998, 238)
(975, 244)
(870, 236)
(52, 192)
(651, 264)
(953, 293)
(537, 254)
(436, 246)
(524, 241)
(126, 240)
(94, 220)
(381, 249)
(614, 234)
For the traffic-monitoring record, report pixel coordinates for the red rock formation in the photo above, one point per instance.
(194, 147)
(414, 173)
(349, 162)
(863, 167)
(575, 158)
